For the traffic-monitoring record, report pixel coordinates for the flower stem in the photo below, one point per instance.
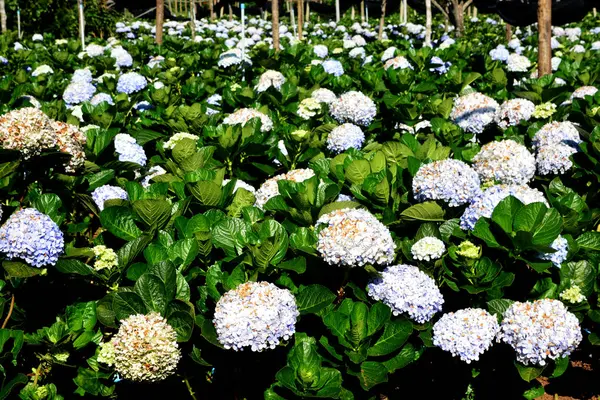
(189, 388)
(10, 310)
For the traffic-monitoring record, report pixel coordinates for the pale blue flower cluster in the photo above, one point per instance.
(333, 67)
(80, 89)
(214, 100)
(561, 246)
(131, 82)
(82, 75)
(428, 248)
(353, 107)
(448, 180)
(500, 53)
(555, 143)
(33, 237)
(505, 161)
(102, 97)
(108, 192)
(554, 159)
(255, 315)
(540, 330)
(345, 137)
(407, 290)
(321, 51)
(466, 333)
(128, 149)
(474, 111)
(484, 204)
(441, 66)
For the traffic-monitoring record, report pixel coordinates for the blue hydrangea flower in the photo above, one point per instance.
(554, 159)
(33, 237)
(102, 97)
(128, 149)
(131, 82)
(474, 111)
(442, 67)
(449, 180)
(484, 204)
(78, 92)
(500, 53)
(561, 246)
(142, 106)
(344, 137)
(83, 75)
(333, 67)
(407, 290)
(108, 192)
(555, 133)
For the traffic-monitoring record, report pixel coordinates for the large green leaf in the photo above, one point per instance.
(119, 221)
(580, 273)
(152, 291)
(505, 211)
(395, 334)
(379, 314)
(427, 211)
(126, 304)
(313, 298)
(153, 212)
(372, 373)
(589, 241)
(544, 224)
(183, 323)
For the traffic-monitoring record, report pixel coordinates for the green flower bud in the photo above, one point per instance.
(300, 135)
(468, 250)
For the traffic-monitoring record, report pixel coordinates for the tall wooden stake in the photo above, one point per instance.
(508, 32)
(275, 23)
(300, 18)
(382, 19)
(193, 17)
(428, 23)
(81, 24)
(545, 35)
(3, 16)
(362, 11)
(337, 10)
(160, 20)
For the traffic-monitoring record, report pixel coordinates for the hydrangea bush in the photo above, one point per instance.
(345, 218)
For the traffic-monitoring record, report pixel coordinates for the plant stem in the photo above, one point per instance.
(189, 388)
(10, 310)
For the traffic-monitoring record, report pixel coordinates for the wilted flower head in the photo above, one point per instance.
(108, 192)
(540, 330)
(354, 237)
(255, 315)
(474, 111)
(353, 107)
(484, 204)
(269, 79)
(245, 115)
(466, 333)
(32, 237)
(270, 188)
(512, 112)
(448, 180)
(428, 248)
(407, 290)
(144, 349)
(505, 162)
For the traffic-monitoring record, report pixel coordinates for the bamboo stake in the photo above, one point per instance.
(362, 11)
(160, 19)
(275, 23)
(81, 24)
(545, 34)
(300, 18)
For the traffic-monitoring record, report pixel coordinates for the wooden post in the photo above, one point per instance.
(352, 13)
(3, 16)
(160, 19)
(459, 16)
(545, 35)
(230, 11)
(382, 19)
(594, 12)
(275, 23)
(307, 15)
(293, 18)
(428, 23)
(300, 18)
(474, 12)
(81, 24)
(337, 11)
(405, 11)
(193, 17)
(362, 11)
(508, 32)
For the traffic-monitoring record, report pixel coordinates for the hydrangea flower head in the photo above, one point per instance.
(407, 290)
(308, 108)
(505, 162)
(354, 237)
(270, 189)
(324, 96)
(173, 140)
(428, 248)
(540, 330)
(554, 159)
(557, 133)
(106, 258)
(255, 315)
(573, 295)
(544, 110)
(344, 137)
(512, 112)
(333, 67)
(269, 79)
(561, 246)
(474, 111)
(245, 115)
(108, 192)
(32, 237)
(128, 149)
(448, 180)
(518, 63)
(131, 82)
(353, 107)
(466, 333)
(398, 62)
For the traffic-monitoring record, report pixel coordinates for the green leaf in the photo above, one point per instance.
(534, 392)
(17, 337)
(483, 232)
(560, 366)
(126, 304)
(505, 211)
(395, 334)
(297, 265)
(427, 211)
(73, 266)
(81, 316)
(580, 273)
(589, 241)
(7, 388)
(542, 222)
(378, 316)
(228, 234)
(206, 192)
(119, 221)
(528, 373)
(196, 356)
(358, 323)
(272, 246)
(49, 204)
(183, 323)
(499, 306)
(357, 171)
(153, 212)
(151, 289)
(407, 355)
(183, 288)
(372, 373)
(314, 298)
(131, 250)
(17, 269)
(100, 178)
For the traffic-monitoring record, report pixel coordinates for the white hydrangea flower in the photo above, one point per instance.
(505, 162)
(173, 140)
(269, 79)
(270, 189)
(428, 248)
(245, 115)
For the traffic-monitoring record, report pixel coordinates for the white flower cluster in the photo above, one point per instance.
(255, 315)
(144, 349)
(474, 111)
(448, 180)
(245, 115)
(540, 330)
(561, 247)
(583, 91)
(353, 107)
(173, 140)
(518, 63)
(270, 189)
(407, 290)
(428, 248)
(466, 333)
(323, 95)
(344, 137)
(555, 143)
(31, 132)
(512, 112)
(308, 108)
(269, 79)
(398, 62)
(573, 295)
(505, 162)
(354, 237)
(240, 184)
